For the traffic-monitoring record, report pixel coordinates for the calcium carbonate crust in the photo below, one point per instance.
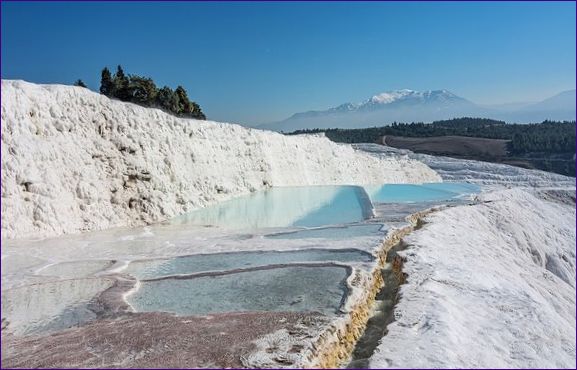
(490, 285)
(74, 160)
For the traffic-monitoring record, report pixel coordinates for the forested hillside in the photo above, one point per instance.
(548, 145)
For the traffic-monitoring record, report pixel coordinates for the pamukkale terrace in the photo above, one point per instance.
(134, 238)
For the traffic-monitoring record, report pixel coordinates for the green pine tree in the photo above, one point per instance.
(167, 100)
(121, 85)
(142, 90)
(184, 106)
(106, 83)
(80, 83)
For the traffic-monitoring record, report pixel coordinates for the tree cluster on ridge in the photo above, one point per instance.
(143, 91)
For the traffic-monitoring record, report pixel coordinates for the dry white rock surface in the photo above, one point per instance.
(489, 286)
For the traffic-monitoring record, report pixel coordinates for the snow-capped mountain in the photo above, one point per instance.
(422, 106)
(393, 100)
(407, 96)
(384, 108)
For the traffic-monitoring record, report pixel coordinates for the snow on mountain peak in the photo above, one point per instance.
(395, 95)
(391, 96)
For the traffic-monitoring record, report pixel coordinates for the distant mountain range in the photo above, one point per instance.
(424, 106)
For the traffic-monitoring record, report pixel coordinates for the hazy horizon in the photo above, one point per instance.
(262, 62)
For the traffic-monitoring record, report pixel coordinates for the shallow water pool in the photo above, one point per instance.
(295, 288)
(152, 269)
(50, 306)
(408, 193)
(307, 206)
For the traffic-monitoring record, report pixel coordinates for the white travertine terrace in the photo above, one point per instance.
(74, 160)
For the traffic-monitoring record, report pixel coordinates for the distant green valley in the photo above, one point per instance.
(548, 146)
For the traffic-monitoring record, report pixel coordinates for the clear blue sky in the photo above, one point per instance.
(261, 62)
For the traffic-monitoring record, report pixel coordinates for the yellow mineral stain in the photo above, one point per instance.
(335, 345)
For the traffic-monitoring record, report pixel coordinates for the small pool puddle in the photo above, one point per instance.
(407, 193)
(288, 288)
(50, 306)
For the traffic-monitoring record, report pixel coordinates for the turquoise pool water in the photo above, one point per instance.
(273, 280)
(151, 269)
(405, 193)
(320, 289)
(315, 206)
(307, 206)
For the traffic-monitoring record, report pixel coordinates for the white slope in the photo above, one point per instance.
(489, 286)
(74, 160)
(488, 174)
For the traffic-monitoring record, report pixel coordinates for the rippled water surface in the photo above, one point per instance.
(295, 288)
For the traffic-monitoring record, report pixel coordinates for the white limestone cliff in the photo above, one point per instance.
(74, 160)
